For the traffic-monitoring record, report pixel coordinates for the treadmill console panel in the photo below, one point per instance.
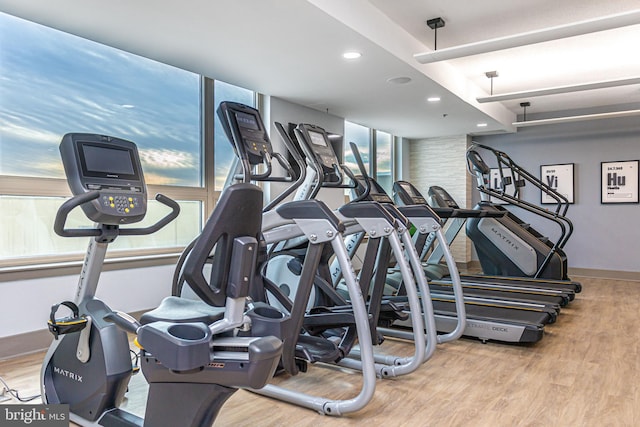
(441, 198)
(110, 166)
(247, 123)
(408, 193)
(376, 192)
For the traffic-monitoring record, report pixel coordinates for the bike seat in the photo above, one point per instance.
(183, 310)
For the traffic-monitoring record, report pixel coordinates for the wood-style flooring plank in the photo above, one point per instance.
(585, 372)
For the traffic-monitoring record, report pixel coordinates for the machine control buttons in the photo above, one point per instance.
(122, 204)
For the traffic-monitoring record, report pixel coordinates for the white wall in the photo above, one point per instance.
(26, 304)
(286, 112)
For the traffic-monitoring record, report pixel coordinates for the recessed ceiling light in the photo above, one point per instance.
(351, 55)
(399, 80)
(433, 99)
(482, 125)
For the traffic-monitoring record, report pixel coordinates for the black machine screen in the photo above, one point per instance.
(247, 121)
(103, 161)
(409, 190)
(378, 194)
(317, 138)
(416, 198)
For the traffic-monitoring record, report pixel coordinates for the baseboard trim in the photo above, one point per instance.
(23, 344)
(633, 276)
(31, 342)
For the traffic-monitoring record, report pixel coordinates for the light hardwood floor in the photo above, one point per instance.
(585, 372)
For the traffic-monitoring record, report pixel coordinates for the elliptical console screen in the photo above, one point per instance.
(316, 141)
(245, 130)
(317, 138)
(247, 121)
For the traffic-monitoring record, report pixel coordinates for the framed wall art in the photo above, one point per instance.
(496, 184)
(619, 182)
(560, 178)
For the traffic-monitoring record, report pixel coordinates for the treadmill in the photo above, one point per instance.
(477, 296)
(486, 320)
(406, 193)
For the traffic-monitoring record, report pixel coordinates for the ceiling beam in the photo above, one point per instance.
(531, 37)
(569, 119)
(559, 89)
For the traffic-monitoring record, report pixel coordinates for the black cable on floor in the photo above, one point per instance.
(14, 393)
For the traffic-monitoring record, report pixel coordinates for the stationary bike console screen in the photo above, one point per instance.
(111, 167)
(103, 162)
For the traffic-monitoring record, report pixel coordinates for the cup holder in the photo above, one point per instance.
(187, 332)
(267, 320)
(268, 312)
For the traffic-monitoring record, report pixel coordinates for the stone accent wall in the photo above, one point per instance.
(442, 161)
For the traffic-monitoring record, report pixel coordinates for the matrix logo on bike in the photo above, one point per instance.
(35, 415)
(67, 374)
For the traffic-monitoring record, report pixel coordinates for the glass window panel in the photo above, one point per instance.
(384, 174)
(224, 154)
(54, 83)
(360, 135)
(28, 228)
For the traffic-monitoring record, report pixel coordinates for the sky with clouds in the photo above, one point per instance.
(53, 83)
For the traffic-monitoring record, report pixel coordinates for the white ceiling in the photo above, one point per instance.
(292, 49)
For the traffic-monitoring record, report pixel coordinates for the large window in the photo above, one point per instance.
(384, 150)
(54, 83)
(361, 137)
(376, 150)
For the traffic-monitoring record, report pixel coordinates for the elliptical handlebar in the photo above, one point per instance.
(66, 208)
(363, 172)
(283, 162)
(314, 165)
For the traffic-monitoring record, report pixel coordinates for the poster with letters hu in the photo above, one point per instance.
(619, 182)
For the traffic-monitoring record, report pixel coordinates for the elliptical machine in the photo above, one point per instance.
(188, 349)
